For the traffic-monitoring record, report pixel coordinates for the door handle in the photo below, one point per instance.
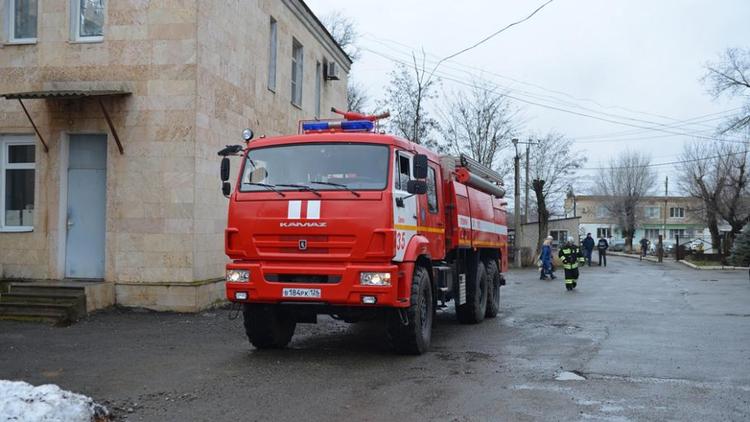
(69, 223)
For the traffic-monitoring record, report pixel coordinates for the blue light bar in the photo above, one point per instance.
(357, 126)
(344, 126)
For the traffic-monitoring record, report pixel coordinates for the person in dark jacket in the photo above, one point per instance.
(571, 256)
(588, 247)
(602, 247)
(546, 258)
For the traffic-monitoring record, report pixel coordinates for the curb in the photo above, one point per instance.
(625, 255)
(712, 267)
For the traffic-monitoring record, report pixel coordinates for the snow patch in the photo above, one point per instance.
(569, 376)
(20, 401)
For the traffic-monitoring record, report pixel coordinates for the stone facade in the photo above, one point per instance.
(197, 72)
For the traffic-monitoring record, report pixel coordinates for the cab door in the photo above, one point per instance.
(404, 204)
(431, 219)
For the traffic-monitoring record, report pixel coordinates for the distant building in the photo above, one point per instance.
(683, 218)
(131, 101)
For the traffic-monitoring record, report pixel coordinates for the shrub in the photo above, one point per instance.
(740, 255)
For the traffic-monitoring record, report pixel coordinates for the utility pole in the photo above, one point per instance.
(526, 182)
(663, 235)
(517, 202)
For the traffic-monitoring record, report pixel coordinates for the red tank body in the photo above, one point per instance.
(348, 239)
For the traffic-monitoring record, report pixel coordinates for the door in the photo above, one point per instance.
(87, 198)
(404, 204)
(431, 221)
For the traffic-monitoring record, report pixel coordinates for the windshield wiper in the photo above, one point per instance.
(265, 185)
(340, 185)
(303, 187)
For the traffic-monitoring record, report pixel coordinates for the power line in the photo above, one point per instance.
(563, 110)
(670, 163)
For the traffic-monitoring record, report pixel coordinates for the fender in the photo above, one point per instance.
(418, 246)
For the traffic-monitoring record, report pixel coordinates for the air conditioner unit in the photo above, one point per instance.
(332, 71)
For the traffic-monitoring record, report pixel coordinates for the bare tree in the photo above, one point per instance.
(730, 75)
(703, 175)
(734, 202)
(480, 124)
(627, 180)
(356, 97)
(344, 32)
(406, 96)
(552, 167)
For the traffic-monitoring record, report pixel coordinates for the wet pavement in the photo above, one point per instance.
(635, 341)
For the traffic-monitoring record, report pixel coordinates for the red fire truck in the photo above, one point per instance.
(344, 220)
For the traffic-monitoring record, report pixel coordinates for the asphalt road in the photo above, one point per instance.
(652, 342)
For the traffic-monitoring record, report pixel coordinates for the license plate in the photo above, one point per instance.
(292, 292)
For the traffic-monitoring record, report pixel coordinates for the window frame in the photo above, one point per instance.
(298, 69)
(318, 88)
(273, 49)
(10, 24)
(603, 230)
(676, 212)
(602, 212)
(6, 141)
(647, 211)
(75, 24)
(432, 178)
(397, 166)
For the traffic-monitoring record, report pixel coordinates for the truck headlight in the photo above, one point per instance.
(375, 279)
(238, 276)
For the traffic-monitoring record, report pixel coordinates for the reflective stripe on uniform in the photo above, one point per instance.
(569, 281)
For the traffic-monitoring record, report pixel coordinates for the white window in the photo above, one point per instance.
(17, 169)
(272, 47)
(297, 68)
(651, 234)
(87, 20)
(677, 212)
(602, 212)
(603, 232)
(673, 233)
(558, 237)
(318, 80)
(21, 21)
(652, 212)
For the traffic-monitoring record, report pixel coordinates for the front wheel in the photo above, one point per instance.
(267, 326)
(413, 338)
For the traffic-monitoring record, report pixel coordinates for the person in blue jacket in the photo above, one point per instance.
(546, 257)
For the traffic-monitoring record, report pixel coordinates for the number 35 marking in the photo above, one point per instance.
(400, 240)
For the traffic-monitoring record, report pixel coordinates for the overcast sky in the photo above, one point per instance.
(639, 61)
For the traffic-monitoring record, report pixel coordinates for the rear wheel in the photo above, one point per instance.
(267, 326)
(414, 337)
(493, 291)
(473, 311)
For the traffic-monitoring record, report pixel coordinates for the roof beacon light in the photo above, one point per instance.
(338, 126)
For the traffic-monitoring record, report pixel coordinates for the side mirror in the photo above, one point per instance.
(226, 189)
(416, 187)
(420, 166)
(224, 169)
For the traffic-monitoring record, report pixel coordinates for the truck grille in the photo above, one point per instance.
(317, 244)
(303, 278)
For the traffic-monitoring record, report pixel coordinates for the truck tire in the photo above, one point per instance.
(414, 338)
(473, 311)
(493, 292)
(267, 327)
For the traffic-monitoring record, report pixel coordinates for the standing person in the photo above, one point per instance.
(644, 247)
(571, 256)
(602, 247)
(588, 247)
(546, 257)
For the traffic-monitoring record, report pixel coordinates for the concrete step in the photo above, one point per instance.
(50, 289)
(48, 312)
(44, 297)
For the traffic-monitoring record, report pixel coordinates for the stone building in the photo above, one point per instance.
(117, 178)
(683, 218)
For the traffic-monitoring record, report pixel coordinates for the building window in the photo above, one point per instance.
(318, 80)
(602, 211)
(87, 20)
(297, 68)
(432, 199)
(652, 212)
(677, 212)
(603, 232)
(17, 169)
(21, 21)
(272, 47)
(558, 237)
(651, 234)
(673, 233)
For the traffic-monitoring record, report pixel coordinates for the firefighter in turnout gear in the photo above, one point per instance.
(571, 256)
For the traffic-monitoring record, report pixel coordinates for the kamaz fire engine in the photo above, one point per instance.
(344, 220)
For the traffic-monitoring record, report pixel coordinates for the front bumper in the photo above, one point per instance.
(346, 291)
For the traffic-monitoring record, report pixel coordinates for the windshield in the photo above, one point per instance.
(354, 166)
